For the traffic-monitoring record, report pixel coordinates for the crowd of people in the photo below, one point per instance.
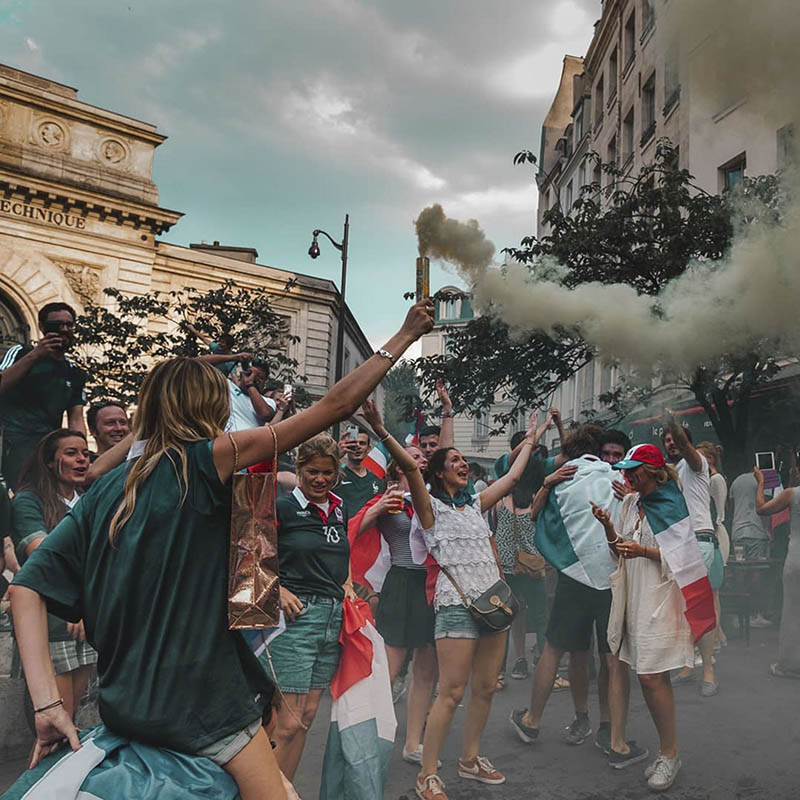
(612, 553)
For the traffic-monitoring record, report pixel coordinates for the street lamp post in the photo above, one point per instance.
(314, 252)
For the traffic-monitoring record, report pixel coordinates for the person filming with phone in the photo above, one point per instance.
(357, 485)
(38, 383)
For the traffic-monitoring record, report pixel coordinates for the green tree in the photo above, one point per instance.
(401, 393)
(642, 230)
(117, 344)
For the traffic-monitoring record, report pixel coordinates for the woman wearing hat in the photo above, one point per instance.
(655, 635)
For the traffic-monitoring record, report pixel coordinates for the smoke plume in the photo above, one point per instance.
(732, 52)
(461, 243)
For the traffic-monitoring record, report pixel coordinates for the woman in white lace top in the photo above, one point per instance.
(456, 535)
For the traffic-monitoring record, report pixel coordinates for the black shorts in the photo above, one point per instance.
(404, 618)
(576, 608)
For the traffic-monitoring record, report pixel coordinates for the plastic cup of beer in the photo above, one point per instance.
(395, 494)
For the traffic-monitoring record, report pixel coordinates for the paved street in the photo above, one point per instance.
(741, 745)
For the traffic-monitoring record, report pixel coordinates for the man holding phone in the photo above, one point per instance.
(358, 485)
(37, 385)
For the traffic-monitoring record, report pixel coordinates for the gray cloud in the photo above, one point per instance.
(283, 116)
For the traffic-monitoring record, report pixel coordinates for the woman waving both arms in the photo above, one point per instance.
(458, 538)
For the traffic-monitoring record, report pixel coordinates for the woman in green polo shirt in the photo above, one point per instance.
(314, 556)
(48, 488)
(142, 559)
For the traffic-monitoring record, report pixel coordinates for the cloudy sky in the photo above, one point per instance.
(283, 116)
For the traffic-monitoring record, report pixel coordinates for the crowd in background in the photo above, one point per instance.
(557, 529)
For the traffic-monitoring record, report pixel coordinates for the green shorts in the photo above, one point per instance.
(305, 656)
(455, 622)
(712, 561)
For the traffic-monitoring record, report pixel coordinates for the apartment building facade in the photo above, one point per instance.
(641, 80)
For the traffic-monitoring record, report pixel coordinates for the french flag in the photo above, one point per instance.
(377, 460)
(370, 559)
(363, 724)
(668, 515)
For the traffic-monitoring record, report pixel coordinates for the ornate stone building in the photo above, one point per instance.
(79, 212)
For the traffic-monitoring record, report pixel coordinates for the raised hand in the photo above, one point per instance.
(419, 319)
(444, 396)
(369, 410)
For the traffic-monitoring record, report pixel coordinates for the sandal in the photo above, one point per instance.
(501, 682)
(778, 672)
(560, 683)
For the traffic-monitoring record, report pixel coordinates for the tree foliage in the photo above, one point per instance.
(641, 230)
(117, 343)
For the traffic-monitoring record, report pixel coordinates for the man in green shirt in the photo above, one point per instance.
(357, 485)
(38, 384)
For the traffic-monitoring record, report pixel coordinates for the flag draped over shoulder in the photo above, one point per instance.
(363, 724)
(668, 516)
(108, 767)
(567, 533)
(370, 559)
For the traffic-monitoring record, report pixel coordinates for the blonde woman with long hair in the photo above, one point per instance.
(143, 559)
(314, 557)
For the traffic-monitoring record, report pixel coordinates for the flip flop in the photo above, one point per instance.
(560, 684)
(775, 670)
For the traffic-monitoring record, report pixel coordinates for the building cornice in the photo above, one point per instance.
(77, 110)
(95, 205)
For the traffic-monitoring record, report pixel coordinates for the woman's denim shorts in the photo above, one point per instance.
(305, 656)
(455, 622)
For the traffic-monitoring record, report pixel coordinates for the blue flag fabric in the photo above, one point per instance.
(109, 767)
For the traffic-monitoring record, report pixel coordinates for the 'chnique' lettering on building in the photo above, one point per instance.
(38, 214)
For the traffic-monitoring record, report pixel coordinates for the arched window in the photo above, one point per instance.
(13, 328)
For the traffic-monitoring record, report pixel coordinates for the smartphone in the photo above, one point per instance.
(765, 461)
(288, 390)
(351, 433)
(51, 326)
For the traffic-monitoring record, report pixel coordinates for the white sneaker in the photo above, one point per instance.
(759, 621)
(662, 773)
(415, 756)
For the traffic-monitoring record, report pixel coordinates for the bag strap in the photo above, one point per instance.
(235, 453)
(458, 588)
(274, 451)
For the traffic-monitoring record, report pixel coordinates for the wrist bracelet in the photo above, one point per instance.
(388, 436)
(448, 414)
(54, 704)
(385, 354)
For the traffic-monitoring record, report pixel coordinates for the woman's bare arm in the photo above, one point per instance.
(108, 460)
(764, 507)
(256, 445)
(30, 630)
(420, 498)
(501, 487)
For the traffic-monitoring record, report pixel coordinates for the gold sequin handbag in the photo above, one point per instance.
(253, 583)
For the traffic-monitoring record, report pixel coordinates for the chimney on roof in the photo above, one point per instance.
(246, 254)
